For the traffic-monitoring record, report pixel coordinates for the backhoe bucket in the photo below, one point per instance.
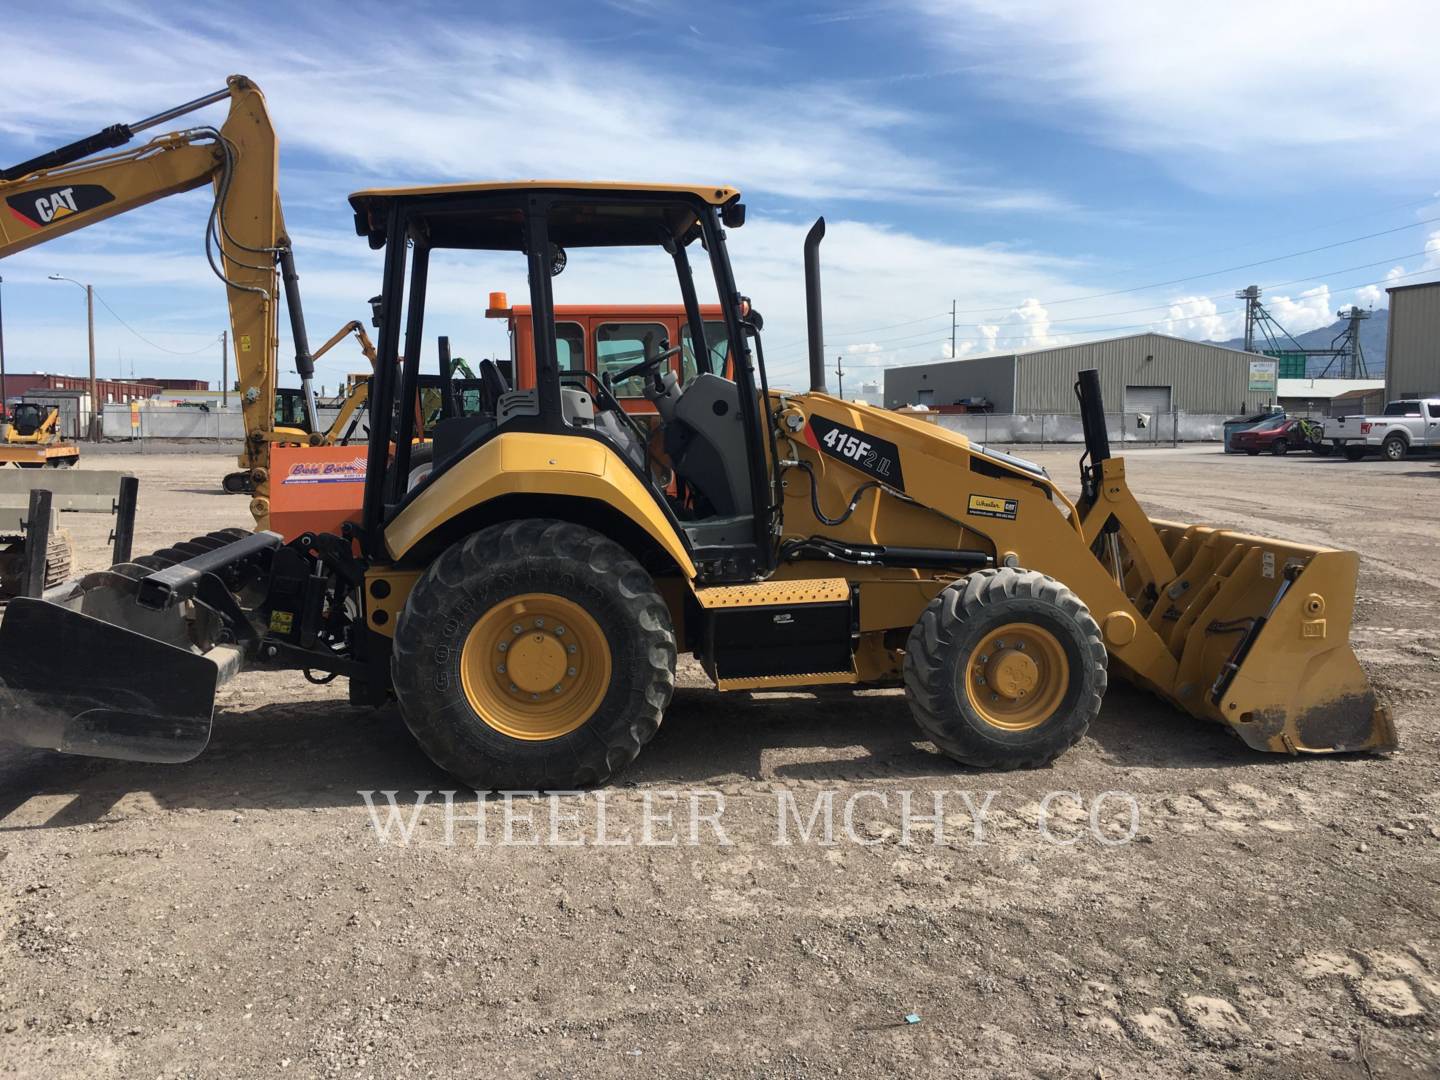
(124, 663)
(1261, 631)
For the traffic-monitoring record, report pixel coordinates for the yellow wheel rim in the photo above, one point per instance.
(1016, 676)
(535, 666)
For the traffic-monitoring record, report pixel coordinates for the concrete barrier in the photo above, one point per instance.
(174, 422)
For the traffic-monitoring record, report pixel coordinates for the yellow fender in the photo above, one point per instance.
(536, 464)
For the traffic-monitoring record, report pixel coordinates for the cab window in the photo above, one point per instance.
(569, 346)
(716, 341)
(622, 345)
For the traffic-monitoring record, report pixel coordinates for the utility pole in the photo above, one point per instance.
(952, 329)
(90, 326)
(224, 369)
(4, 411)
(840, 375)
(94, 386)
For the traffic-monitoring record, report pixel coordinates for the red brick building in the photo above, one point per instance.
(18, 384)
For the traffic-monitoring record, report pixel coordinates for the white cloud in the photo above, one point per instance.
(1371, 296)
(1237, 86)
(1432, 250)
(447, 100)
(1196, 317)
(1310, 310)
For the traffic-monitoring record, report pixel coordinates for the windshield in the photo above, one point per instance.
(1402, 408)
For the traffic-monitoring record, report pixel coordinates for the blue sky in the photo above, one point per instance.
(1062, 171)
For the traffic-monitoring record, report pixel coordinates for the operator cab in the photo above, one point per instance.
(28, 417)
(707, 463)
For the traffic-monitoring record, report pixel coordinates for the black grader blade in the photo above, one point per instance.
(124, 663)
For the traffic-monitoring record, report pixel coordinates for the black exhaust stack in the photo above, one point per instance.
(812, 305)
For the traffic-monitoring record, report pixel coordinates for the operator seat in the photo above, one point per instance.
(455, 435)
(705, 440)
(492, 385)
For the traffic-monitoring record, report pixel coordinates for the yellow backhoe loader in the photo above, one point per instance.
(33, 439)
(525, 600)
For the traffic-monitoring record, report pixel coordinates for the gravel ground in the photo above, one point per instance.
(241, 916)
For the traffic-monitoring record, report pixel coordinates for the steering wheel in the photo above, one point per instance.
(644, 365)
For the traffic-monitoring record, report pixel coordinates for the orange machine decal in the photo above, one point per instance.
(315, 488)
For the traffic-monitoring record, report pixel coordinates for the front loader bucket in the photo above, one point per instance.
(1261, 632)
(124, 663)
(76, 684)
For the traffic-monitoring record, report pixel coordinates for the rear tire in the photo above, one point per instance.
(1321, 449)
(1394, 448)
(967, 685)
(1279, 448)
(454, 682)
(1354, 453)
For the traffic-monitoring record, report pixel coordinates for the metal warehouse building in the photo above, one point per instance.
(1150, 373)
(1412, 362)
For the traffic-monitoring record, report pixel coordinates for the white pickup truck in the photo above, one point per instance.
(1406, 425)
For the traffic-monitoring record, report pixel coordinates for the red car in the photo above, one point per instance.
(1278, 436)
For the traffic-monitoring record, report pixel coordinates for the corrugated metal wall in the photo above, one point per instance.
(1412, 364)
(1203, 378)
(990, 377)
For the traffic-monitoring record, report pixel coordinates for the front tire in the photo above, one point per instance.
(1005, 669)
(535, 654)
(1354, 453)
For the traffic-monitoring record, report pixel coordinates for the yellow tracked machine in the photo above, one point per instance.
(525, 601)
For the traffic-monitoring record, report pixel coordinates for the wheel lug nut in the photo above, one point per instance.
(572, 648)
(517, 628)
(570, 671)
(559, 631)
(513, 688)
(1020, 645)
(504, 646)
(501, 669)
(559, 688)
(534, 697)
(539, 622)
(984, 659)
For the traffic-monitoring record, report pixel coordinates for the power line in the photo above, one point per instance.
(174, 352)
(1085, 335)
(1226, 270)
(1154, 285)
(937, 334)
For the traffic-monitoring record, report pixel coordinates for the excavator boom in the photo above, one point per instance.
(79, 184)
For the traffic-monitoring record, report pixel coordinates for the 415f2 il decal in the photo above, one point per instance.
(873, 456)
(43, 206)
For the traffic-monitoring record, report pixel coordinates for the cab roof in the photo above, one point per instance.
(488, 215)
